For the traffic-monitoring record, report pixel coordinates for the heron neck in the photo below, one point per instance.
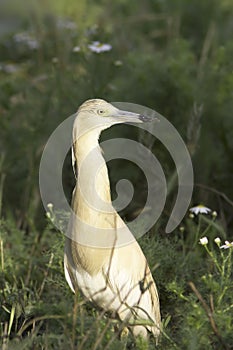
(94, 216)
(93, 179)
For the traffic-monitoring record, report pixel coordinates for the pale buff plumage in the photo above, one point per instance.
(116, 277)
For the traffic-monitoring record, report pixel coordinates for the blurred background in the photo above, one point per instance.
(172, 56)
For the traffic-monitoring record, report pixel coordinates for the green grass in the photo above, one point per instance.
(39, 311)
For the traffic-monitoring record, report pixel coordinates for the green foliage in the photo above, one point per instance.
(172, 56)
(39, 311)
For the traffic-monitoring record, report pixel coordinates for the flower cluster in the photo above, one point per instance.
(49, 213)
(217, 240)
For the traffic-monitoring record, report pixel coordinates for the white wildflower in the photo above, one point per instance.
(217, 240)
(200, 209)
(76, 49)
(227, 245)
(98, 47)
(50, 206)
(203, 241)
(118, 63)
(48, 215)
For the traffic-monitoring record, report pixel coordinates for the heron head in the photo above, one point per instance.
(96, 115)
(98, 110)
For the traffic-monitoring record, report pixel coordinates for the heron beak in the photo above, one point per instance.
(131, 117)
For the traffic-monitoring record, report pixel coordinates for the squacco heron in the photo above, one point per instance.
(115, 277)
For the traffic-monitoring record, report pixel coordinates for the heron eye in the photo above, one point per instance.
(100, 111)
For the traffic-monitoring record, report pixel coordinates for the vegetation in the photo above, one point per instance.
(172, 56)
